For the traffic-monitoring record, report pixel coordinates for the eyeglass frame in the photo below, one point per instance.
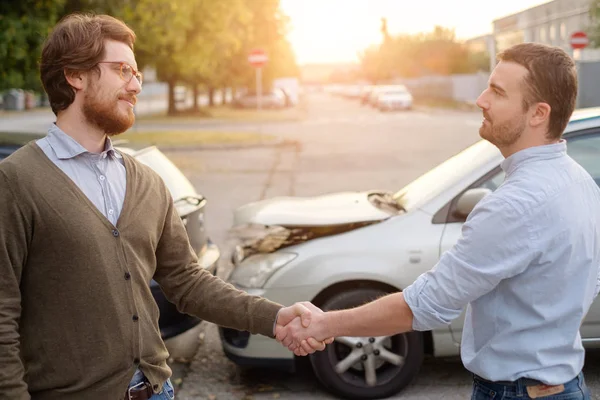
(134, 72)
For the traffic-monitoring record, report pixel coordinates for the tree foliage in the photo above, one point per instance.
(432, 53)
(197, 43)
(23, 26)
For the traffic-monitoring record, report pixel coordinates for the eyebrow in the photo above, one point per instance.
(498, 88)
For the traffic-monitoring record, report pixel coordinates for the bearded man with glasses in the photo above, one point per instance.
(85, 228)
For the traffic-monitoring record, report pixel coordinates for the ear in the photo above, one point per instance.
(76, 79)
(541, 114)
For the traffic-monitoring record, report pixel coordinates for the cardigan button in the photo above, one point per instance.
(127, 276)
(115, 233)
(135, 317)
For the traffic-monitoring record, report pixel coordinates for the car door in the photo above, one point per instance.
(583, 148)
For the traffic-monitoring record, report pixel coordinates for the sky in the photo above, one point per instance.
(329, 31)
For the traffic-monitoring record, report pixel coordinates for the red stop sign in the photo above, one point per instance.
(257, 58)
(579, 40)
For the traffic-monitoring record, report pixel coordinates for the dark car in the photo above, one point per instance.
(176, 328)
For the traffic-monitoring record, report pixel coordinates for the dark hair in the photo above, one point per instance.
(77, 44)
(552, 79)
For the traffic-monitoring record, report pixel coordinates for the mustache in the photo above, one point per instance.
(132, 99)
(486, 116)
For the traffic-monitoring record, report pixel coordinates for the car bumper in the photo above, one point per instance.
(396, 106)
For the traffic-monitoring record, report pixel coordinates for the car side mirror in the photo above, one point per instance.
(469, 199)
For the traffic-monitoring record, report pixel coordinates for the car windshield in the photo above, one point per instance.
(179, 186)
(445, 175)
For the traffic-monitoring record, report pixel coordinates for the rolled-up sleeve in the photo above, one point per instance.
(496, 243)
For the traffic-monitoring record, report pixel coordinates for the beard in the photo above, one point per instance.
(503, 134)
(104, 112)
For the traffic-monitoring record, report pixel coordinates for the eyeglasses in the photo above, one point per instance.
(127, 72)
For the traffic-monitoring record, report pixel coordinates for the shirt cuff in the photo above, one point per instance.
(411, 296)
(275, 323)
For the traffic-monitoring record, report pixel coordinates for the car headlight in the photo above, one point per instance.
(255, 270)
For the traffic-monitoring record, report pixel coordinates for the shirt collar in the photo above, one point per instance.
(66, 147)
(544, 152)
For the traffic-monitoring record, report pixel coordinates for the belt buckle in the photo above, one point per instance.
(142, 383)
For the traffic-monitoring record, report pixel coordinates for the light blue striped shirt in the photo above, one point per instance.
(526, 267)
(101, 177)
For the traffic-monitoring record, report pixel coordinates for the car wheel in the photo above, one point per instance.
(363, 367)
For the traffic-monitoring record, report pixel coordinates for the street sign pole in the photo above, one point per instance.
(258, 58)
(258, 87)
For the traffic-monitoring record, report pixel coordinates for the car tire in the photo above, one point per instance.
(352, 383)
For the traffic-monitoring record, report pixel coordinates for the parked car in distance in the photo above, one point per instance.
(275, 98)
(179, 331)
(394, 98)
(341, 250)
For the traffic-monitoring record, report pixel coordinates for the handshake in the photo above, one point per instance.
(303, 328)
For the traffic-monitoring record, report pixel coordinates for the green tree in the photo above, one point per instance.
(593, 29)
(431, 53)
(23, 27)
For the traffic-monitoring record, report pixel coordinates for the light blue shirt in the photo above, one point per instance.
(101, 177)
(527, 268)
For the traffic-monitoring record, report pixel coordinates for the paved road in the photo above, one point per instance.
(340, 146)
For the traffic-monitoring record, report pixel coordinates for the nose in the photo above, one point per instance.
(482, 101)
(134, 86)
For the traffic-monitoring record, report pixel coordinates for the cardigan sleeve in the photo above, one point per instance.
(15, 235)
(195, 291)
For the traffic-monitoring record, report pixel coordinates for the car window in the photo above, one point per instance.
(586, 151)
(445, 175)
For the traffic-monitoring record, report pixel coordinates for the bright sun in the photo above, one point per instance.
(325, 31)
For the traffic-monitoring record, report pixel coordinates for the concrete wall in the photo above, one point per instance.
(589, 84)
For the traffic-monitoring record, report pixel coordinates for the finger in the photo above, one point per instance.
(304, 345)
(329, 341)
(280, 333)
(304, 313)
(315, 344)
(300, 352)
(293, 346)
(287, 342)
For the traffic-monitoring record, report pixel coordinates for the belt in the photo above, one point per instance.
(522, 381)
(141, 391)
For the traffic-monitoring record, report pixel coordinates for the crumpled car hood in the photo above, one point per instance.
(330, 209)
(269, 225)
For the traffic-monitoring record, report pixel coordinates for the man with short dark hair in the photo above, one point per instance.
(84, 229)
(527, 264)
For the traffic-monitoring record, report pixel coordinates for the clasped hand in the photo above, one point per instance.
(302, 329)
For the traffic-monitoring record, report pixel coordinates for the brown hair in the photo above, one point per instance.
(552, 79)
(77, 44)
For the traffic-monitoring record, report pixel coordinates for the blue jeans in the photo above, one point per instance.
(575, 389)
(167, 392)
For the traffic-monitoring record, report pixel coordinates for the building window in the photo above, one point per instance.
(563, 31)
(552, 33)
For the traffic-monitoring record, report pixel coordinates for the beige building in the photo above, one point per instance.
(550, 23)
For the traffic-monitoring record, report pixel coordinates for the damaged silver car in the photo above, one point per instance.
(342, 250)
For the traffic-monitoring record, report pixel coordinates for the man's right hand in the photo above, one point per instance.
(302, 334)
